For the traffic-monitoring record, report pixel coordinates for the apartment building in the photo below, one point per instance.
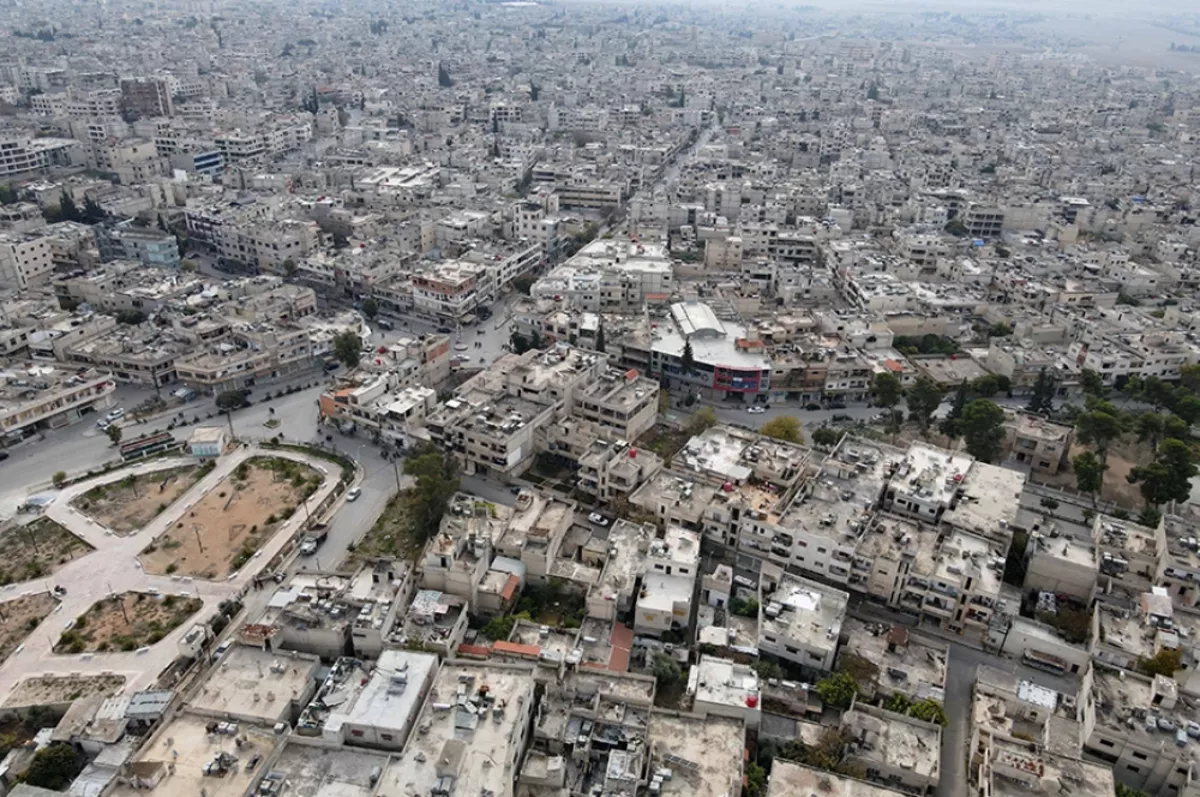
(1042, 446)
(1132, 557)
(26, 259)
(148, 246)
(37, 396)
(800, 621)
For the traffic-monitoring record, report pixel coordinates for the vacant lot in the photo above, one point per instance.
(390, 536)
(37, 549)
(126, 505)
(126, 622)
(233, 520)
(19, 617)
(59, 689)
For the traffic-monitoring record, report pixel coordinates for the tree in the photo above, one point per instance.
(1168, 477)
(53, 767)
(886, 390)
(665, 669)
(1150, 428)
(347, 347)
(929, 710)
(1100, 428)
(444, 76)
(9, 194)
(986, 386)
(825, 437)
(1014, 562)
(231, 400)
(289, 267)
(535, 340)
(982, 427)
(1041, 402)
(687, 360)
(436, 483)
(130, 317)
(370, 307)
(1089, 474)
(949, 426)
(499, 628)
(756, 780)
(59, 479)
(703, 418)
(1149, 517)
(92, 212)
(114, 433)
(1166, 662)
(785, 427)
(600, 342)
(873, 92)
(1093, 384)
(838, 690)
(768, 669)
(187, 265)
(923, 399)
(67, 209)
(518, 342)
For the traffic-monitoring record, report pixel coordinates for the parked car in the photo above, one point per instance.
(756, 410)
(353, 493)
(598, 519)
(3, 455)
(445, 330)
(812, 406)
(837, 405)
(116, 414)
(383, 323)
(842, 418)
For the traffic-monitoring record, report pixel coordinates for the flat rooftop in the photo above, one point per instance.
(389, 698)
(1125, 535)
(1067, 550)
(252, 682)
(990, 499)
(908, 662)
(724, 682)
(688, 496)
(896, 742)
(706, 754)
(187, 744)
(311, 771)
(468, 730)
(1053, 774)
(804, 611)
(627, 545)
(793, 780)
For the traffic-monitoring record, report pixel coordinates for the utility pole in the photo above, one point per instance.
(396, 470)
(32, 539)
(199, 541)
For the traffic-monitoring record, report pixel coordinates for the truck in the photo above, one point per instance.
(310, 542)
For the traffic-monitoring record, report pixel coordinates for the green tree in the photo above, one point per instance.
(986, 386)
(92, 212)
(601, 343)
(982, 427)
(949, 425)
(923, 399)
(535, 340)
(60, 478)
(347, 347)
(1149, 517)
(1150, 428)
(756, 780)
(130, 317)
(1100, 428)
(687, 360)
(518, 342)
(53, 767)
(67, 209)
(929, 710)
(190, 266)
(9, 194)
(785, 427)
(665, 669)
(838, 690)
(1168, 477)
(437, 481)
(1089, 474)
(370, 307)
(826, 437)
(1166, 662)
(114, 433)
(701, 419)
(1014, 562)
(887, 392)
(499, 628)
(897, 702)
(1093, 385)
(1041, 401)
(289, 267)
(231, 400)
(768, 669)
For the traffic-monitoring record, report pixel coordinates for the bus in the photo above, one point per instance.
(147, 445)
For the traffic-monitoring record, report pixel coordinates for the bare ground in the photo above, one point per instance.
(126, 622)
(19, 617)
(233, 520)
(37, 549)
(126, 505)
(47, 689)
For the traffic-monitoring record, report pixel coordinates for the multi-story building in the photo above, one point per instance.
(26, 259)
(800, 621)
(1132, 556)
(1040, 445)
(37, 396)
(146, 96)
(148, 246)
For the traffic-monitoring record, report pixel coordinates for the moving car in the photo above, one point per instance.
(598, 519)
(756, 410)
(445, 330)
(353, 493)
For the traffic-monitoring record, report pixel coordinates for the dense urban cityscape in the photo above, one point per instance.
(571, 399)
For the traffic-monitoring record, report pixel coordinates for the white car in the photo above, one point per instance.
(353, 493)
(113, 415)
(598, 519)
(756, 410)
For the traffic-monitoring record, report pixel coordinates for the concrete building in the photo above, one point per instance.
(1039, 444)
(37, 396)
(895, 750)
(800, 621)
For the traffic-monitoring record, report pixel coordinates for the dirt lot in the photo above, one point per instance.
(47, 689)
(125, 506)
(233, 520)
(20, 617)
(388, 537)
(1116, 488)
(37, 549)
(143, 620)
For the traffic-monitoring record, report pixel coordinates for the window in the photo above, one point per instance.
(1132, 768)
(1140, 756)
(814, 656)
(1106, 743)
(356, 733)
(387, 737)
